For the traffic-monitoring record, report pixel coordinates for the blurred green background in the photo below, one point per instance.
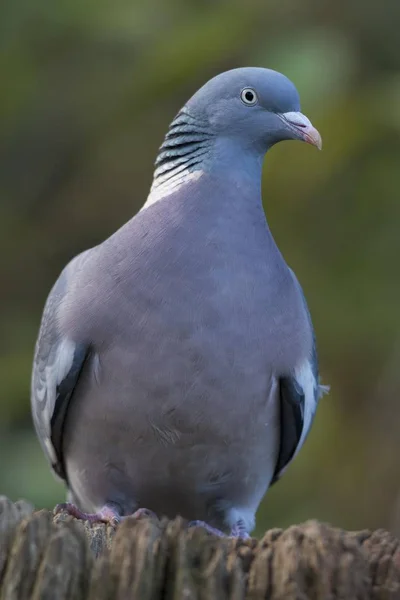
(87, 90)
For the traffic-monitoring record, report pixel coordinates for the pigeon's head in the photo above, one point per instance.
(257, 107)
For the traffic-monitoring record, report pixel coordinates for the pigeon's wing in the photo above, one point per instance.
(292, 400)
(299, 394)
(57, 365)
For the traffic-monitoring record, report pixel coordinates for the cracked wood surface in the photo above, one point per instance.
(47, 557)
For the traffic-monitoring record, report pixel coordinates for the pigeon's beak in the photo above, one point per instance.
(305, 131)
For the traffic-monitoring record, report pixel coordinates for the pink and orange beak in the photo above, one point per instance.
(303, 128)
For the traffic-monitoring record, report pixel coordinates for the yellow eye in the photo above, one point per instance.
(248, 96)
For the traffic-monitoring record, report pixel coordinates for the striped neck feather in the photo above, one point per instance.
(185, 148)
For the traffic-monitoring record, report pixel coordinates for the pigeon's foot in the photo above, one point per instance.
(108, 514)
(207, 527)
(237, 531)
(144, 513)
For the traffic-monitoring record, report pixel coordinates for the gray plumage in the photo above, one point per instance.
(176, 367)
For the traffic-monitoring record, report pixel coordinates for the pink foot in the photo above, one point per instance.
(207, 527)
(143, 513)
(237, 531)
(107, 514)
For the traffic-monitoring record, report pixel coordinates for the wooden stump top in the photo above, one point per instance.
(47, 557)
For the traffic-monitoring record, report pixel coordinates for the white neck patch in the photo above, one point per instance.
(161, 189)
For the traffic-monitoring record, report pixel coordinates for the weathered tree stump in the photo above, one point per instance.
(49, 557)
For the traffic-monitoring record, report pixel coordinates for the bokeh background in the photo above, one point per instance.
(87, 90)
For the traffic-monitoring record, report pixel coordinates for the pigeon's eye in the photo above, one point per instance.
(249, 97)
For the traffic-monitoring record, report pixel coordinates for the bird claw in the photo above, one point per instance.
(106, 515)
(207, 527)
(237, 531)
(144, 513)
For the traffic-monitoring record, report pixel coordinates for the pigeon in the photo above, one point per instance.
(175, 370)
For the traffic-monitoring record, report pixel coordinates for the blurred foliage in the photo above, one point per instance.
(87, 92)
